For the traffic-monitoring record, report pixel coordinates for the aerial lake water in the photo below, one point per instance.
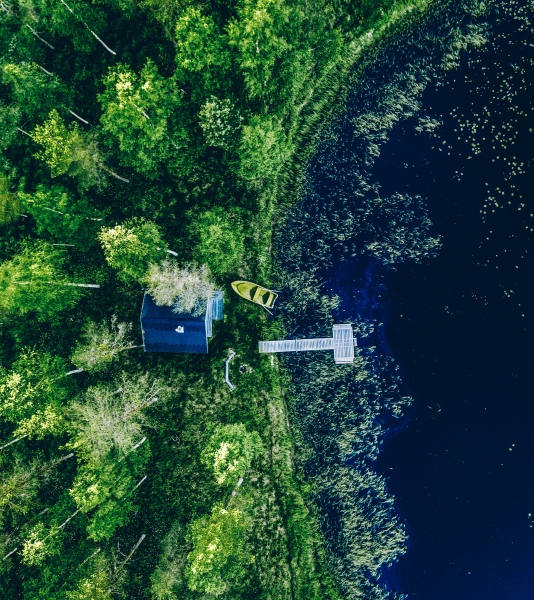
(461, 326)
(418, 218)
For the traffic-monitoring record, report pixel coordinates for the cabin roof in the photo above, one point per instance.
(166, 331)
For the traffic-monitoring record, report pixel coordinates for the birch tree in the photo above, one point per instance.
(131, 247)
(139, 111)
(35, 92)
(107, 434)
(221, 556)
(10, 204)
(34, 281)
(34, 392)
(230, 451)
(109, 421)
(70, 151)
(101, 343)
(18, 489)
(186, 289)
(61, 216)
(96, 586)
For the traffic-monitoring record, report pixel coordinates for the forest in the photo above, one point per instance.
(156, 145)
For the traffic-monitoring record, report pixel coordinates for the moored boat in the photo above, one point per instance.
(255, 293)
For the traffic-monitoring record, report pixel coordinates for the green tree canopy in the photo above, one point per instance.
(18, 489)
(221, 244)
(96, 586)
(264, 149)
(105, 493)
(186, 289)
(35, 92)
(201, 48)
(221, 554)
(230, 451)
(138, 112)
(220, 121)
(132, 247)
(100, 344)
(68, 150)
(107, 435)
(61, 216)
(109, 421)
(10, 204)
(258, 35)
(34, 280)
(34, 392)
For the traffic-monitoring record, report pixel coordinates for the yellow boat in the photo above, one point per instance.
(255, 293)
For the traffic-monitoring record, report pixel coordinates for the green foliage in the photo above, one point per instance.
(34, 92)
(230, 451)
(62, 217)
(221, 244)
(38, 545)
(101, 343)
(138, 112)
(67, 150)
(18, 489)
(131, 247)
(107, 429)
(33, 393)
(108, 423)
(34, 281)
(107, 493)
(201, 48)
(187, 290)
(9, 121)
(96, 586)
(10, 205)
(169, 576)
(221, 554)
(258, 33)
(220, 122)
(264, 149)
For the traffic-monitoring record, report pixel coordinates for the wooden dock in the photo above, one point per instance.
(342, 343)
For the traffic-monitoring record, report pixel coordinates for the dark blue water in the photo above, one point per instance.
(461, 328)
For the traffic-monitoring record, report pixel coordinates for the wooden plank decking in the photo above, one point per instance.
(342, 343)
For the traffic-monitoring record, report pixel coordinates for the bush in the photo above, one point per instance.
(221, 244)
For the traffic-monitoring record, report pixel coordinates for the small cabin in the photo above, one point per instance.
(166, 331)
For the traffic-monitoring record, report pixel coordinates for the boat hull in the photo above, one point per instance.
(255, 293)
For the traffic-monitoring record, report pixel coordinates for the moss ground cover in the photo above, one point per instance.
(199, 120)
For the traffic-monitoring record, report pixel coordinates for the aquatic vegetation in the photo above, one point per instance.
(341, 218)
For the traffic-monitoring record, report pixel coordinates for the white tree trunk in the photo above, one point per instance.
(14, 441)
(74, 371)
(87, 27)
(39, 37)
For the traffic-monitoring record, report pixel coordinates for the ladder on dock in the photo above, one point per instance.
(342, 343)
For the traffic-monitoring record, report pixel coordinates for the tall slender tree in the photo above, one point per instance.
(61, 216)
(109, 422)
(70, 151)
(34, 393)
(35, 92)
(221, 556)
(230, 451)
(186, 289)
(142, 111)
(131, 247)
(101, 343)
(34, 281)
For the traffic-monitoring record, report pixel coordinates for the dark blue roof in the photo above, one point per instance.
(165, 331)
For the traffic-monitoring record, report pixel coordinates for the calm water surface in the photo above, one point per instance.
(461, 327)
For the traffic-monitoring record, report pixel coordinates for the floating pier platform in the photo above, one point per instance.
(342, 343)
